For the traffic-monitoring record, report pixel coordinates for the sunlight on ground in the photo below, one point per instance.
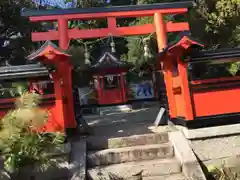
(122, 124)
(109, 117)
(92, 123)
(159, 129)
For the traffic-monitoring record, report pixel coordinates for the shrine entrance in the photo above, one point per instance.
(113, 82)
(111, 89)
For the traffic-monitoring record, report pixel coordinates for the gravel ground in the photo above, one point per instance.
(216, 148)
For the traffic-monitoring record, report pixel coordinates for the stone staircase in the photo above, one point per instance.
(122, 158)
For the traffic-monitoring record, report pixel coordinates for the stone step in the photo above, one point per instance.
(178, 176)
(97, 143)
(128, 154)
(153, 168)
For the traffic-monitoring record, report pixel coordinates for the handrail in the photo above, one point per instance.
(205, 81)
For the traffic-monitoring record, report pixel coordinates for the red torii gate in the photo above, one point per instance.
(64, 34)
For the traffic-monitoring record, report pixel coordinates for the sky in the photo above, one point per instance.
(55, 3)
(60, 3)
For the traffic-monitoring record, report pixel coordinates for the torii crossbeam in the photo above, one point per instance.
(64, 34)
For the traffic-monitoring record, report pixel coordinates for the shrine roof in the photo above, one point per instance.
(47, 47)
(207, 55)
(108, 60)
(48, 12)
(22, 71)
(185, 41)
(183, 36)
(198, 54)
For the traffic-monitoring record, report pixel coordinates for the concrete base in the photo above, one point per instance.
(225, 130)
(190, 166)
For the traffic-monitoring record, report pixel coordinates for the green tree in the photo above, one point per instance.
(15, 41)
(217, 23)
(136, 45)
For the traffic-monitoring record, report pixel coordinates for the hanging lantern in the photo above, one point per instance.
(140, 74)
(1, 89)
(112, 44)
(87, 56)
(146, 48)
(150, 54)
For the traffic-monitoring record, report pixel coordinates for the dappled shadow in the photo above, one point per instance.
(134, 116)
(110, 176)
(113, 176)
(115, 125)
(100, 138)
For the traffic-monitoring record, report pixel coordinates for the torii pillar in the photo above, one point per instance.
(50, 54)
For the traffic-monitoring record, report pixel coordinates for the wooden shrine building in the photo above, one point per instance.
(196, 96)
(109, 75)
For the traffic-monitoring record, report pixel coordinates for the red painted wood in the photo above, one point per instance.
(112, 24)
(185, 92)
(63, 90)
(113, 96)
(58, 111)
(105, 32)
(185, 42)
(110, 14)
(161, 34)
(216, 102)
(63, 33)
(161, 31)
(65, 68)
(123, 88)
(63, 111)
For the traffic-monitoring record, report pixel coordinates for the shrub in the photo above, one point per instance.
(21, 144)
(222, 173)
